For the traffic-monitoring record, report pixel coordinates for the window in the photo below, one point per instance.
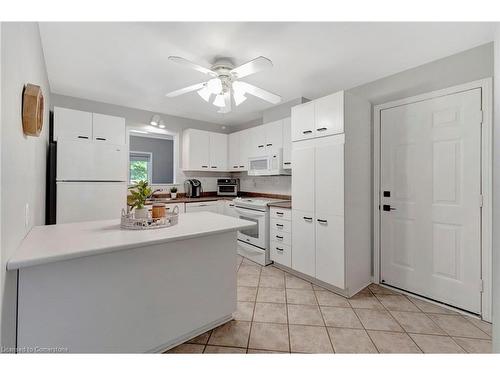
(141, 166)
(152, 159)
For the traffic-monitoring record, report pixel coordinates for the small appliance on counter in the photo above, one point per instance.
(193, 188)
(228, 186)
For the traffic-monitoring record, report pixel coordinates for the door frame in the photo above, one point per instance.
(486, 180)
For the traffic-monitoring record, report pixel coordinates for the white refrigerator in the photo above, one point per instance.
(91, 181)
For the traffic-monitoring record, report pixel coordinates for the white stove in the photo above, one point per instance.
(253, 243)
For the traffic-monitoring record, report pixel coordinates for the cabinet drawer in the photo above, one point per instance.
(281, 237)
(281, 253)
(281, 225)
(281, 213)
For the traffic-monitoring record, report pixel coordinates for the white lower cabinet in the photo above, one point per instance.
(330, 260)
(280, 238)
(211, 206)
(303, 242)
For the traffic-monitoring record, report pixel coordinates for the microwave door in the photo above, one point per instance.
(258, 166)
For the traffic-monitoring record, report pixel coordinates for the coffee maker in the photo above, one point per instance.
(193, 188)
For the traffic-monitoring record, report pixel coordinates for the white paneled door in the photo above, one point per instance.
(431, 198)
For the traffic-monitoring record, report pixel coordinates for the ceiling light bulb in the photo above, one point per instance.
(239, 88)
(161, 124)
(219, 101)
(205, 93)
(239, 98)
(214, 86)
(155, 120)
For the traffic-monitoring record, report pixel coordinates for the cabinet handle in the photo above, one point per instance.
(260, 146)
(100, 139)
(279, 237)
(279, 225)
(307, 132)
(235, 166)
(202, 205)
(242, 166)
(83, 137)
(213, 166)
(204, 166)
(322, 221)
(307, 218)
(287, 162)
(321, 129)
(279, 213)
(231, 205)
(279, 249)
(269, 144)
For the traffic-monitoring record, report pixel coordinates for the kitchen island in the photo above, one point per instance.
(92, 287)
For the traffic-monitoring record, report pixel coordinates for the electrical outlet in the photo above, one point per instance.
(27, 216)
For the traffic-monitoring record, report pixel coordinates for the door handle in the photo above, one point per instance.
(321, 129)
(387, 207)
(307, 132)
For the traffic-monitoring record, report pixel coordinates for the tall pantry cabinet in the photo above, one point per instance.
(331, 190)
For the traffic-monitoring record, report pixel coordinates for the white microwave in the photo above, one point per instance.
(267, 165)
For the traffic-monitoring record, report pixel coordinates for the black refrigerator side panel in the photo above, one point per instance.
(51, 194)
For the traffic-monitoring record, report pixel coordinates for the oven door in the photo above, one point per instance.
(255, 235)
(230, 190)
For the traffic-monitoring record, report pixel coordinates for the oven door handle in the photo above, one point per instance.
(249, 213)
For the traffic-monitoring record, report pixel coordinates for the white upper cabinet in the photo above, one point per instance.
(218, 151)
(287, 143)
(110, 129)
(258, 140)
(204, 151)
(234, 152)
(329, 115)
(70, 124)
(303, 126)
(273, 136)
(246, 147)
(319, 118)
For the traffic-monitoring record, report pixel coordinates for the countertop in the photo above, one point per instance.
(189, 200)
(52, 243)
(286, 204)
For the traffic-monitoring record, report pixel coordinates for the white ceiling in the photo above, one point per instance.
(126, 63)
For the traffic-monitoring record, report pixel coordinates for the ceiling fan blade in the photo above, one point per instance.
(185, 90)
(192, 65)
(260, 93)
(251, 67)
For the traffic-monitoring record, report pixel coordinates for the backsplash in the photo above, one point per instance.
(271, 185)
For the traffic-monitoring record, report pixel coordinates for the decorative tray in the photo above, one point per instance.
(129, 222)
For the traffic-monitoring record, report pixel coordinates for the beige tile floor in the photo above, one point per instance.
(280, 313)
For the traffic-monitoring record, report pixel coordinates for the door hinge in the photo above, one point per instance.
(481, 200)
(481, 285)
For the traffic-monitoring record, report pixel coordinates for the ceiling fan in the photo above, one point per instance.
(225, 82)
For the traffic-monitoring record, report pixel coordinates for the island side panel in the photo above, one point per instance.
(139, 300)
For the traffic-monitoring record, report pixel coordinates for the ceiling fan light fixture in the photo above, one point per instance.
(205, 93)
(214, 86)
(239, 98)
(219, 101)
(155, 120)
(161, 124)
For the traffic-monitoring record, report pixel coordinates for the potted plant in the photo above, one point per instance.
(173, 192)
(139, 193)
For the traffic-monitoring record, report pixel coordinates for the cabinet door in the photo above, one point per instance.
(330, 249)
(303, 175)
(110, 129)
(274, 136)
(287, 143)
(218, 152)
(259, 140)
(329, 175)
(202, 206)
(303, 242)
(234, 152)
(329, 114)
(229, 209)
(247, 148)
(197, 152)
(303, 121)
(70, 125)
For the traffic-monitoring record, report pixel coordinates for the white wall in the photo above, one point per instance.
(139, 119)
(496, 198)
(23, 159)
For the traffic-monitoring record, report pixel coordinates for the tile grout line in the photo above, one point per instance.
(324, 322)
(287, 319)
(253, 312)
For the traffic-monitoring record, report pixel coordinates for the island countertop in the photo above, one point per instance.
(52, 243)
